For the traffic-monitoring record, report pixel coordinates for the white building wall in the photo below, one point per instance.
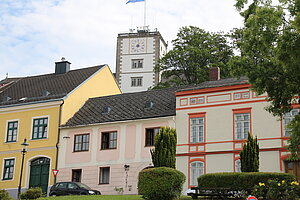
(220, 149)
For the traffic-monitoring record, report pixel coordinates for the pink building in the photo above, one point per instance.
(107, 142)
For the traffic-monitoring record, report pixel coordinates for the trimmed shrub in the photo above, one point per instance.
(164, 153)
(32, 193)
(241, 180)
(161, 183)
(250, 155)
(4, 195)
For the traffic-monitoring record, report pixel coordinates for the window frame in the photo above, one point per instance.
(75, 171)
(193, 179)
(137, 81)
(109, 140)
(199, 138)
(152, 138)
(8, 166)
(81, 142)
(101, 175)
(285, 130)
(242, 111)
(139, 63)
(46, 128)
(8, 129)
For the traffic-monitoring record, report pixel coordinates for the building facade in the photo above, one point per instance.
(107, 143)
(137, 55)
(214, 120)
(32, 108)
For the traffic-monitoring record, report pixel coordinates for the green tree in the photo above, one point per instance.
(249, 155)
(194, 51)
(164, 154)
(269, 46)
(294, 140)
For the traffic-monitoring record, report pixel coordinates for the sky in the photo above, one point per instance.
(34, 34)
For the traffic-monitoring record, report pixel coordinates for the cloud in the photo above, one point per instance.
(34, 34)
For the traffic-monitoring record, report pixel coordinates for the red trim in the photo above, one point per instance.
(226, 152)
(214, 89)
(254, 96)
(223, 104)
(197, 102)
(194, 115)
(230, 98)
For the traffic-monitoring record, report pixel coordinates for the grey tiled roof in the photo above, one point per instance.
(219, 83)
(33, 88)
(128, 106)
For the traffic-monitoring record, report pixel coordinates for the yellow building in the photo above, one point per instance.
(33, 108)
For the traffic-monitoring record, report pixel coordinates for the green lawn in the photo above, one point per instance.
(102, 197)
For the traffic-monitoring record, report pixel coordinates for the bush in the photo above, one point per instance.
(4, 195)
(277, 190)
(32, 193)
(241, 180)
(161, 183)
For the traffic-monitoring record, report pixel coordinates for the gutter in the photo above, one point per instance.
(58, 136)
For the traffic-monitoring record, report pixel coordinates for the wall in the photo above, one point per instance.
(102, 83)
(130, 150)
(220, 149)
(37, 148)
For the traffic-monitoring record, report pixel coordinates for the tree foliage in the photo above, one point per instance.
(269, 46)
(249, 156)
(294, 141)
(164, 154)
(194, 51)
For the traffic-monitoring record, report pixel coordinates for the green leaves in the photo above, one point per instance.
(164, 154)
(194, 51)
(250, 155)
(269, 46)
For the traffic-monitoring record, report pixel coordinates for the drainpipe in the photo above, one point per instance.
(58, 136)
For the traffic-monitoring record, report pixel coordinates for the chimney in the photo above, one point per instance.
(62, 67)
(214, 73)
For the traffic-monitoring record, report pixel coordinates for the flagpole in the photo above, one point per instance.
(145, 13)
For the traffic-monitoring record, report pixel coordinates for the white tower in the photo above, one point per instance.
(137, 54)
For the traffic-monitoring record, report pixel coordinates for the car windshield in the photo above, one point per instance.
(81, 185)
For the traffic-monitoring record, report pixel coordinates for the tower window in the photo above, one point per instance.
(136, 81)
(136, 63)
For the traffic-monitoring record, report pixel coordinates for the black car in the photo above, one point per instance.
(71, 188)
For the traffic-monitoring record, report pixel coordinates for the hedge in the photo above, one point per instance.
(4, 195)
(160, 183)
(241, 180)
(32, 193)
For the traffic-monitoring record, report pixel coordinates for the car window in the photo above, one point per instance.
(72, 186)
(61, 185)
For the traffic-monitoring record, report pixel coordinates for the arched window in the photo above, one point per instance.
(196, 170)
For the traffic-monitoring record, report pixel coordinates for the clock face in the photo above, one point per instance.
(138, 45)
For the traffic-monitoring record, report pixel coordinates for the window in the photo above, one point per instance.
(8, 172)
(136, 81)
(137, 63)
(81, 142)
(12, 131)
(197, 129)
(237, 164)
(62, 185)
(287, 118)
(104, 175)
(40, 128)
(241, 125)
(150, 135)
(76, 175)
(109, 140)
(196, 170)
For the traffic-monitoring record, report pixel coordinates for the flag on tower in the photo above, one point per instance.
(133, 1)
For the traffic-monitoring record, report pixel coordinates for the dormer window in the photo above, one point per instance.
(106, 110)
(149, 104)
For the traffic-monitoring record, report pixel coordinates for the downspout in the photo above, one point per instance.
(58, 136)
